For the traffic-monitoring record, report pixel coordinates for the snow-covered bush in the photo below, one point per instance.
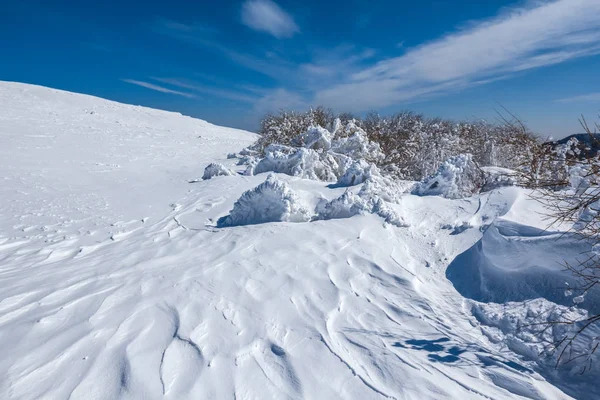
(321, 155)
(302, 162)
(215, 169)
(456, 178)
(367, 201)
(271, 201)
(496, 177)
(315, 138)
(534, 330)
(286, 126)
(358, 172)
(356, 144)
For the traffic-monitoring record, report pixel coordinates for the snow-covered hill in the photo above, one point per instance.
(115, 281)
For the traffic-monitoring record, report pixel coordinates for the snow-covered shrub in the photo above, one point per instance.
(215, 169)
(302, 162)
(271, 201)
(231, 155)
(358, 172)
(356, 145)
(286, 126)
(248, 152)
(533, 330)
(315, 138)
(496, 177)
(365, 202)
(456, 178)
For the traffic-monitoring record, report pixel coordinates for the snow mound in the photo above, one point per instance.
(365, 202)
(215, 169)
(358, 172)
(456, 178)
(271, 201)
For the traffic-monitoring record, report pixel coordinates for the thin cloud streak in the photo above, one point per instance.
(158, 88)
(223, 93)
(552, 32)
(591, 98)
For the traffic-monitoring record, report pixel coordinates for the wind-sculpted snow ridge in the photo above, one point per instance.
(271, 201)
(215, 169)
(456, 178)
(514, 262)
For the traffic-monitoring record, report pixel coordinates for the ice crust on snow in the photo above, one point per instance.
(215, 169)
(271, 201)
(456, 178)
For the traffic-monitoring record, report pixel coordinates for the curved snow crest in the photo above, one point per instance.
(215, 169)
(456, 178)
(271, 201)
(514, 262)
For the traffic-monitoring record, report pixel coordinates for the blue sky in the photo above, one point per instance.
(229, 62)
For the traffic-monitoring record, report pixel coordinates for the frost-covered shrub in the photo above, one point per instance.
(365, 202)
(215, 169)
(302, 162)
(533, 329)
(271, 201)
(358, 172)
(356, 145)
(286, 126)
(315, 138)
(320, 156)
(456, 178)
(495, 177)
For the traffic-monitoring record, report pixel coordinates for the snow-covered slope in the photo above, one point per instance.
(115, 281)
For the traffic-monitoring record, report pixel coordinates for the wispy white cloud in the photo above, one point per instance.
(157, 88)
(222, 93)
(266, 16)
(591, 97)
(545, 33)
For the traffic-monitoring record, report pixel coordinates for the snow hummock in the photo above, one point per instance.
(456, 178)
(271, 201)
(216, 169)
